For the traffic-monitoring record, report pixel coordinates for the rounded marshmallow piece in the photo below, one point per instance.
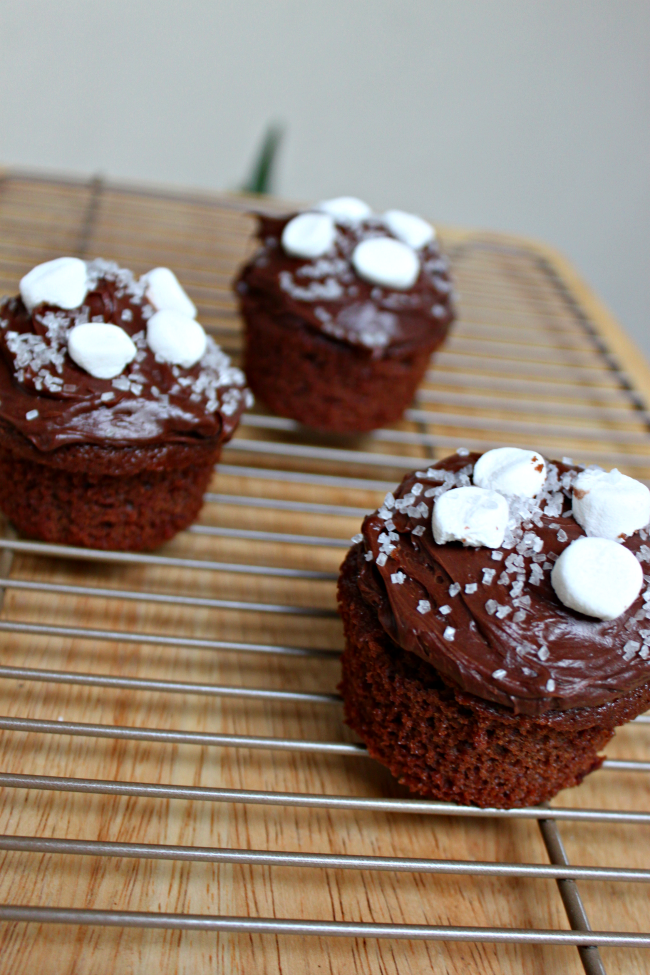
(62, 282)
(165, 292)
(101, 349)
(176, 338)
(512, 471)
(347, 210)
(470, 515)
(597, 577)
(610, 505)
(309, 235)
(408, 228)
(385, 261)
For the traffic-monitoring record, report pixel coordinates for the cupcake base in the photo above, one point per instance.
(443, 743)
(145, 502)
(323, 383)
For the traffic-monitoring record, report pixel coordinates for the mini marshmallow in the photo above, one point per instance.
(519, 473)
(387, 262)
(309, 235)
(62, 282)
(470, 515)
(165, 292)
(408, 228)
(176, 338)
(597, 577)
(610, 505)
(103, 350)
(346, 210)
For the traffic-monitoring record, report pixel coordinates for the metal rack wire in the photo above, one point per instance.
(522, 338)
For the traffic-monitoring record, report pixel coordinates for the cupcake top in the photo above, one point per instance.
(520, 579)
(90, 355)
(371, 281)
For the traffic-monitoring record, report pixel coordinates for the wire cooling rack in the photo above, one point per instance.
(176, 781)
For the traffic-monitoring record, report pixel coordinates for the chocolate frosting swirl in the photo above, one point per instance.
(531, 654)
(331, 298)
(53, 402)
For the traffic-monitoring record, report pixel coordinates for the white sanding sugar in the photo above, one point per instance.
(630, 649)
(536, 574)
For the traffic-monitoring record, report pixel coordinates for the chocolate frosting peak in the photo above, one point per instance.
(53, 402)
(505, 636)
(331, 298)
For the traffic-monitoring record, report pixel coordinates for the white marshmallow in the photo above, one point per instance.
(347, 210)
(62, 282)
(176, 338)
(470, 515)
(408, 228)
(387, 262)
(610, 505)
(309, 235)
(165, 292)
(597, 577)
(101, 349)
(511, 471)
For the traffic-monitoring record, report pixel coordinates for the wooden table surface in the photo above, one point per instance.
(534, 360)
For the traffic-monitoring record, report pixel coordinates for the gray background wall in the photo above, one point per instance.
(524, 115)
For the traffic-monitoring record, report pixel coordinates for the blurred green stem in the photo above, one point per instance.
(261, 177)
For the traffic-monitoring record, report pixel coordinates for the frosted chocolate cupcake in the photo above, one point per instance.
(343, 310)
(497, 627)
(114, 405)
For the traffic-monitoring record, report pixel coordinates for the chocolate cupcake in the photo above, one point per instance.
(342, 311)
(114, 406)
(496, 629)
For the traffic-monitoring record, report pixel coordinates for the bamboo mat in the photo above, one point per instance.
(243, 602)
